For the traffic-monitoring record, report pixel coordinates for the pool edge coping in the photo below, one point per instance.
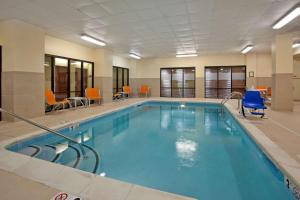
(286, 164)
(24, 166)
(280, 158)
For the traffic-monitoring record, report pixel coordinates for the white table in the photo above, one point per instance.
(82, 100)
(123, 94)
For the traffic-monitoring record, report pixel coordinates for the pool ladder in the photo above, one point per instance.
(230, 96)
(81, 145)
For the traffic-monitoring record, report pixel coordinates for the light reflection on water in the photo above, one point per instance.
(186, 151)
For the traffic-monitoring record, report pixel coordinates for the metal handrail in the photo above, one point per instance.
(81, 145)
(228, 97)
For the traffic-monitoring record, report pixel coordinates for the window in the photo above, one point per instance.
(48, 71)
(75, 78)
(221, 81)
(87, 75)
(177, 82)
(68, 77)
(61, 78)
(120, 78)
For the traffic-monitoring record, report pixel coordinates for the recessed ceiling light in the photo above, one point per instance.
(186, 55)
(132, 55)
(295, 45)
(92, 40)
(287, 18)
(247, 49)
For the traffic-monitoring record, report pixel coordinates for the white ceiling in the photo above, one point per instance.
(154, 28)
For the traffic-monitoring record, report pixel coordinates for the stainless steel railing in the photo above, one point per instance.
(81, 145)
(233, 94)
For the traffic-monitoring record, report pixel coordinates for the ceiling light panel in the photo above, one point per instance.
(247, 49)
(293, 14)
(92, 40)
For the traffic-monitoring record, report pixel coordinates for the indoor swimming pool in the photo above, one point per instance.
(193, 149)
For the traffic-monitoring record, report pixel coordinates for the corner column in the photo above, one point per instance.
(282, 67)
(103, 73)
(23, 47)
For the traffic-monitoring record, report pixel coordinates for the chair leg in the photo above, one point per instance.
(243, 111)
(263, 114)
(54, 107)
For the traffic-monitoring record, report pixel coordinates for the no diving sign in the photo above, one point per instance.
(65, 196)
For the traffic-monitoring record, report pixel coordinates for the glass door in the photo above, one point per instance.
(61, 78)
(238, 79)
(87, 76)
(48, 73)
(221, 81)
(115, 77)
(189, 83)
(75, 78)
(224, 82)
(211, 82)
(177, 82)
(120, 78)
(125, 76)
(165, 82)
(67, 77)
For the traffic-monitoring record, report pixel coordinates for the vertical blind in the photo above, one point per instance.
(177, 82)
(221, 81)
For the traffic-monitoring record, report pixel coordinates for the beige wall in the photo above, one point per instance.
(297, 50)
(264, 65)
(129, 63)
(103, 59)
(148, 70)
(59, 47)
(282, 69)
(282, 51)
(296, 79)
(23, 61)
(23, 46)
(261, 64)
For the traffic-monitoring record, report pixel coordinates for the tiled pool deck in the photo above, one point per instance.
(23, 177)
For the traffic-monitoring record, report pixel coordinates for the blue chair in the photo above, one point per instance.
(253, 101)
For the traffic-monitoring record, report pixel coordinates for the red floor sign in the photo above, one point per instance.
(61, 196)
(65, 196)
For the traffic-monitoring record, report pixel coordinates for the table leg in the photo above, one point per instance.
(81, 102)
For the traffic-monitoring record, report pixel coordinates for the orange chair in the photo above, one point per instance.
(51, 100)
(93, 94)
(127, 90)
(269, 92)
(262, 89)
(144, 90)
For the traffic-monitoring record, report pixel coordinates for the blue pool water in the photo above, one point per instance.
(198, 151)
